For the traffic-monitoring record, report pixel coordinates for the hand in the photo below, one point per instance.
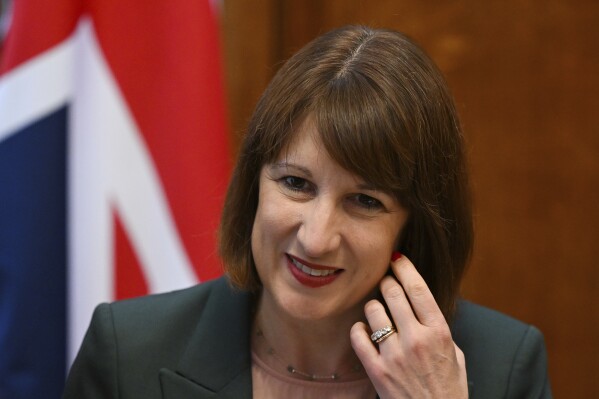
(420, 360)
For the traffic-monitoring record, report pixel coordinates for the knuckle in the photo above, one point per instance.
(373, 307)
(444, 336)
(418, 346)
(417, 289)
(395, 292)
(356, 332)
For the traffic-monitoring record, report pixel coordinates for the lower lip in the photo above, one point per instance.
(308, 280)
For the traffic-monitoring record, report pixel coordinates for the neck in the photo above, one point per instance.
(320, 347)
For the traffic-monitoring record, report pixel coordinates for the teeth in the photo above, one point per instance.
(310, 271)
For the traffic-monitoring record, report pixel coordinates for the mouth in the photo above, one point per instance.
(310, 274)
(312, 271)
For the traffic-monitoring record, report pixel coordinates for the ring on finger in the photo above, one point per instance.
(382, 334)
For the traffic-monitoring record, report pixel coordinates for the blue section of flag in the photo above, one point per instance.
(33, 260)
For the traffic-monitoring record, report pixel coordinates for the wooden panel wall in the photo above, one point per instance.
(525, 75)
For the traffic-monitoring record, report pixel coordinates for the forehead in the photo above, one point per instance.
(306, 153)
(305, 139)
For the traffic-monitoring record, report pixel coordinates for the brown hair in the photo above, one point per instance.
(383, 112)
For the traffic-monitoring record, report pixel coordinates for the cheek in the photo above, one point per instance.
(274, 221)
(376, 248)
(262, 235)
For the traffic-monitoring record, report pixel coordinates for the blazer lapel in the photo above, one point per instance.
(217, 361)
(177, 386)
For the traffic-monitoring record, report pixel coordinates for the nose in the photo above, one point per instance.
(320, 230)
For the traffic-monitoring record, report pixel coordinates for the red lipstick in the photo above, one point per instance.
(305, 278)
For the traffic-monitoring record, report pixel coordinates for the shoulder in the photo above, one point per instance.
(129, 341)
(475, 322)
(174, 314)
(171, 305)
(504, 356)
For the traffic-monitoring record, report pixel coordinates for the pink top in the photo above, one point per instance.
(271, 384)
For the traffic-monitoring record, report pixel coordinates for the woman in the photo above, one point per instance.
(345, 234)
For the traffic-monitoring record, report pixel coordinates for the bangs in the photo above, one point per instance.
(362, 134)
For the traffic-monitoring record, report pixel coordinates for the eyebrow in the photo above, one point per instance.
(287, 165)
(369, 187)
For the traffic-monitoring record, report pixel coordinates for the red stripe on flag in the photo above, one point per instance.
(166, 60)
(129, 279)
(36, 26)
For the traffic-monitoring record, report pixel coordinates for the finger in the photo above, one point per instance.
(398, 303)
(360, 340)
(377, 318)
(421, 298)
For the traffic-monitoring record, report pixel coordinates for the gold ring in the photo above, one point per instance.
(382, 334)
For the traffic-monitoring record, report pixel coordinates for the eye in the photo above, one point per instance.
(367, 202)
(295, 183)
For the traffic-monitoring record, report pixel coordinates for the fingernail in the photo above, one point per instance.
(395, 256)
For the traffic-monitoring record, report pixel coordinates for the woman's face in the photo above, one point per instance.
(323, 237)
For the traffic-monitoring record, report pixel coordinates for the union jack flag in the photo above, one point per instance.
(113, 166)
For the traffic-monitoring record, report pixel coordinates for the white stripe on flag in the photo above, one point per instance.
(110, 167)
(36, 88)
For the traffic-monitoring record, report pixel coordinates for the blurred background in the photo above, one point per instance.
(525, 78)
(524, 74)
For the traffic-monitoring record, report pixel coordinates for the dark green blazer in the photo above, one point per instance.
(194, 344)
